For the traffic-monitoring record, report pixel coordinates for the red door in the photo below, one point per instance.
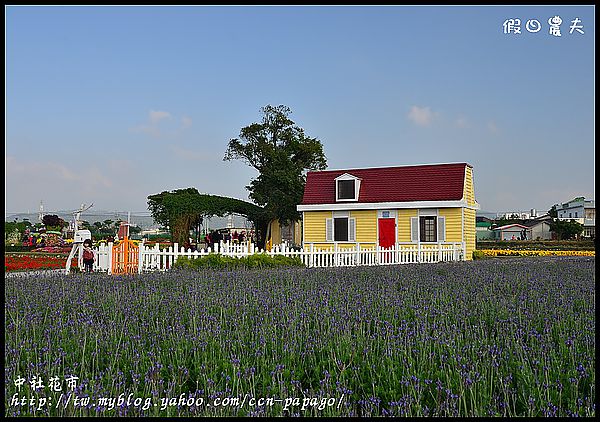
(387, 232)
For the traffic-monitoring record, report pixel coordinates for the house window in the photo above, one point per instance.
(428, 228)
(346, 189)
(428, 232)
(340, 229)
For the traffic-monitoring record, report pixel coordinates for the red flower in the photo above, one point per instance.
(35, 262)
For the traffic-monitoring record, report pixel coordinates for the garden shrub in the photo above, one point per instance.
(478, 254)
(219, 261)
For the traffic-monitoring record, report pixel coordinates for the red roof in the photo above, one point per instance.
(431, 182)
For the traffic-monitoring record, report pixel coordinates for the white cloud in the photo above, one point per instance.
(187, 154)
(47, 169)
(462, 122)
(186, 122)
(29, 180)
(155, 125)
(157, 116)
(492, 126)
(422, 116)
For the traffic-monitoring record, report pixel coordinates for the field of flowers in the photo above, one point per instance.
(35, 261)
(514, 337)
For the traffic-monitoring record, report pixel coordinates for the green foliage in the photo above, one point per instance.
(182, 209)
(11, 226)
(281, 153)
(552, 212)
(219, 261)
(18, 248)
(478, 254)
(104, 229)
(54, 222)
(134, 230)
(566, 229)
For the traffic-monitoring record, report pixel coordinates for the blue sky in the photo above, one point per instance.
(112, 104)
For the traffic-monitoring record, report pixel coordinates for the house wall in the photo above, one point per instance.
(507, 234)
(483, 233)
(453, 218)
(366, 227)
(314, 225)
(541, 230)
(275, 232)
(469, 191)
(469, 232)
(403, 223)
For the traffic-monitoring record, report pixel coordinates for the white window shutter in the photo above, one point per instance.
(414, 229)
(352, 229)
(329, 229)
(441, 227)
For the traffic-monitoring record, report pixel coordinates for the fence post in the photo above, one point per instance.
(357, 261)
(311, 257)
(175, 246)
(109, 260)
(140, 256)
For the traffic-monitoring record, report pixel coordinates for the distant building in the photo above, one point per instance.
(539, 228)
(582, 211)
(518, 215)
(483, 228)
(511, 232)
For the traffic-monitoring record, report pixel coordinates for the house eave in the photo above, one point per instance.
(386, 205)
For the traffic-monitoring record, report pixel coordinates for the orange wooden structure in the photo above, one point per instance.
(125, 257)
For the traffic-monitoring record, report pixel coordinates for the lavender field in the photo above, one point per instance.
(498, 337)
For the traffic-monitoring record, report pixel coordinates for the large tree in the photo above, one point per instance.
(281, 153)
(566, 230)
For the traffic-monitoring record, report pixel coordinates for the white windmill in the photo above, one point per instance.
(79, 238)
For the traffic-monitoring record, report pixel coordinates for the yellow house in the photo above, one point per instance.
(278, 233)
(428, 206)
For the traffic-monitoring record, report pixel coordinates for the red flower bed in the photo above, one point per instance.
(21, 262)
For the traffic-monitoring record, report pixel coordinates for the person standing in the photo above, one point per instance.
(88, 256)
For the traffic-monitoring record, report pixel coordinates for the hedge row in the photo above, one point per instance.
(226, 262)
(561, 245)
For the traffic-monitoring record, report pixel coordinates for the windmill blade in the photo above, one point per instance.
(82, 208)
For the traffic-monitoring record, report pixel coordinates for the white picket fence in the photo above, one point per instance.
(156, 259)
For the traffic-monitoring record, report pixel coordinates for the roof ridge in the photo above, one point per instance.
(392, 167)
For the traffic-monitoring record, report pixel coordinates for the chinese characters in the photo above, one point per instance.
(513, 26)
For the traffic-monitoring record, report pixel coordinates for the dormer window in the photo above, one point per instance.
(347, 187)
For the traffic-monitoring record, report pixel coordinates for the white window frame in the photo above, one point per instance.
(440, 226)
(330, 227)
(347, 176)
